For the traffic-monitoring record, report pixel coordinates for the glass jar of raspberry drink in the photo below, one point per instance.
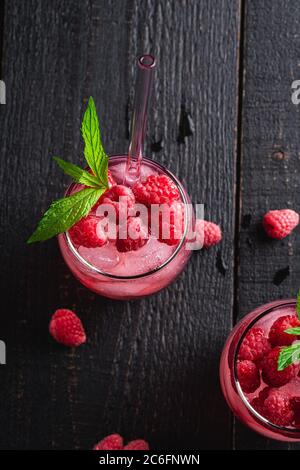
(118, 250)
(131, 267)
(259, 371)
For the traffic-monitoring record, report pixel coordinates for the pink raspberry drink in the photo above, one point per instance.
(259, 371)
(129, 267)
(125, 225)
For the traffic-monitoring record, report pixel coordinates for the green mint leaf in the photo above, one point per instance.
(93, 150)
(293, 331)
(78, 174)
(298, 305)
(64, 213)
(288, 355)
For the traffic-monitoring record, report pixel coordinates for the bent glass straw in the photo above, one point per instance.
(146, 65)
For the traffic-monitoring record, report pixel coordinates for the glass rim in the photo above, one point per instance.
(187, 216)
(268, 309)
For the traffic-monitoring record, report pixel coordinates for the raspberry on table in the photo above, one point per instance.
(66, 328)
(88, 232)
(280, 223)
(255, 345)
(206, 234)
(156, 189)
(136, 235)
(138, 444)
(112, 442)
(277, 408)
(212, 233)
(273, 377)
(115, 442)
(277, 335)
(248, 376)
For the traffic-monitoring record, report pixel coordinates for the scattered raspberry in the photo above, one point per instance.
(206, 234)
(171, 223)
(112, 442)
(88, 232)
(255, 345)
(280, 223)
(295, 401)
(248, 375)
(138, 444)
(157, 189)
(120, 198)
(115, 442)
(278, 408)
(277, 335)
(136, 235)
(66, 328)
(212, 233)
(271, 376)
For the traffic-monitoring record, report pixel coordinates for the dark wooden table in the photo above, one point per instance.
(150, 367)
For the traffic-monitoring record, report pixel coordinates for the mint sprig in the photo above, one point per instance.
(78, 174)
(93, 150)
(293, 331)
(64, 213)
(288, 355)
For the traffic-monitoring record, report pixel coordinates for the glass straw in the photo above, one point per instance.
(146, 66)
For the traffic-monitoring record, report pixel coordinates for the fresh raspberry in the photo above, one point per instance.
(248, 375)
(207, 233)
(280, 223)
(135, 233)
(278, 409)
(273, 377)
(115, 442)
(112, 442)
(295, 401)
(277, 335)
(258, 402)
(138, 444)
(170, 220)
(157, 189)
(120, 198)
(88, 232)
(66, 328)
(255, 345)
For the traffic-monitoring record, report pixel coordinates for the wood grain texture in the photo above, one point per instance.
(270, 162)
(150, 367)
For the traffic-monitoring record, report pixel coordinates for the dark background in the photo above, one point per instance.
(223, 121)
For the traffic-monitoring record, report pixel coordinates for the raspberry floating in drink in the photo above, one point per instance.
(260, 367)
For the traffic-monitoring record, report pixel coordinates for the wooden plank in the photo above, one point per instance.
(270, 162)
(150, 367)
(1, 30)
